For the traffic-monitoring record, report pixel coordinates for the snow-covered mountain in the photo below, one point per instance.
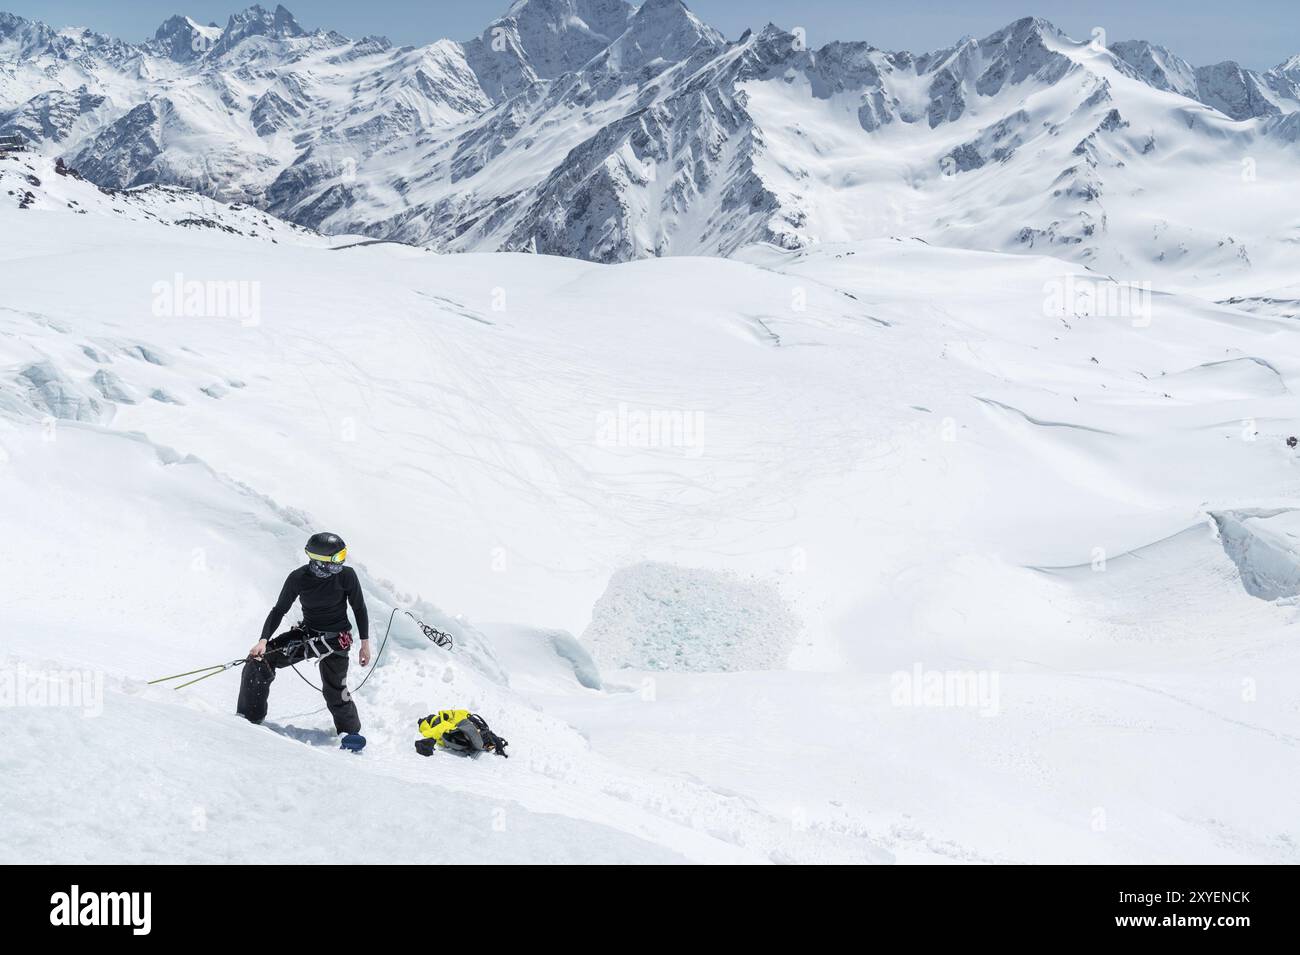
(604, 131)
(1228, 87)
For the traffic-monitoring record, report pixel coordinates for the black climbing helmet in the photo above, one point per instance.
(327, 553)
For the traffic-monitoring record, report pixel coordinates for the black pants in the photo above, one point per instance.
(286, 650)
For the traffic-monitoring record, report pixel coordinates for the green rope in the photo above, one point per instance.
(215, 668)
(206, 675)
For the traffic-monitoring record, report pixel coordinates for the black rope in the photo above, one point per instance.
(438, 638)
(294, 668)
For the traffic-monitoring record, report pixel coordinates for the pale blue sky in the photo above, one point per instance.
(1257, 33)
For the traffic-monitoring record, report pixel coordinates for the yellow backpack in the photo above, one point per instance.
(435, 725)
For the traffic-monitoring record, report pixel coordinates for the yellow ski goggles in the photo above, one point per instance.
(338, 558)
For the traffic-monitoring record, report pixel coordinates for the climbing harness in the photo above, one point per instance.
(316, 645)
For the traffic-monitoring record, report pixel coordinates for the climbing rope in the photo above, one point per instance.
(436, 637)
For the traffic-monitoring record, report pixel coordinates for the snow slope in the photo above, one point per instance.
(1038, 554)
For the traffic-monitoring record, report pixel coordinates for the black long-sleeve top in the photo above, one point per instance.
(324, 602)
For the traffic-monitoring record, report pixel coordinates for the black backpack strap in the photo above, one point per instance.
(497, 744)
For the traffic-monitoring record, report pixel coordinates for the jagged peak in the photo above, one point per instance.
(654, 7)
(549, 38)
(603, 17)
(966, 51)
(29, 34)
(662, 30)
(258, 21)
(1155, 65)
(1129, 48)
(1223, 66)
(177, 21)
(770, 42)
(34, 37)
(182, 38)
(10, 22)
(771, 31)
(670, 12)
(1024, 28)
